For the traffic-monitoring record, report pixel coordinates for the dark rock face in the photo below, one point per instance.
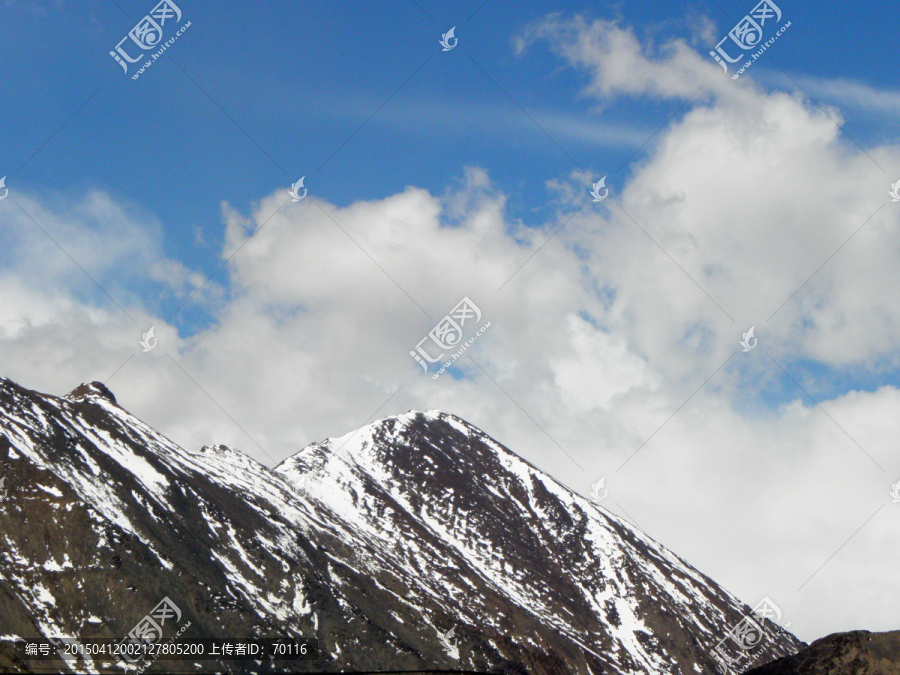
(858, 652)
(92, 389)
(377, 544)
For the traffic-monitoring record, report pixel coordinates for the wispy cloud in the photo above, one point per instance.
(848, 94)
(435, 117)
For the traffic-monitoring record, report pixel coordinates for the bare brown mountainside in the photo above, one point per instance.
(858, 652)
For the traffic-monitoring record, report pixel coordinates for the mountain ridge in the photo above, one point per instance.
(858, 652)
(414, 525)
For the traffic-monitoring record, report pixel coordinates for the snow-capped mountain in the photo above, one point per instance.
(416, 542)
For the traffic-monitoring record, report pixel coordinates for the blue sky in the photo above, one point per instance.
(300, 78)
(446, 171)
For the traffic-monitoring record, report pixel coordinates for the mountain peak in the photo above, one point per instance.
(431, 488)
(91, 390)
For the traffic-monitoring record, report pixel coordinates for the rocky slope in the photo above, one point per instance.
(376, 543)
(856, 653)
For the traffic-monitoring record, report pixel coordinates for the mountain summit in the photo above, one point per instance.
(415, 542)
